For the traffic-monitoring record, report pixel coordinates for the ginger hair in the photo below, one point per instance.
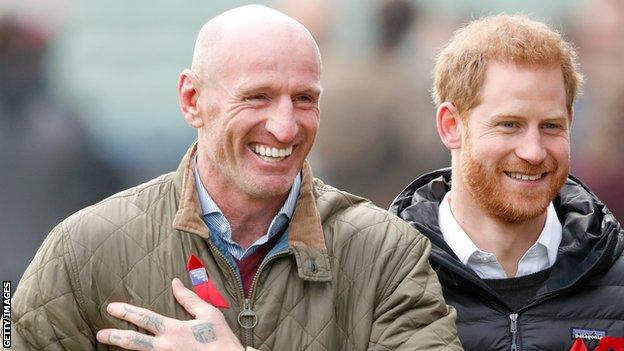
(461, 65)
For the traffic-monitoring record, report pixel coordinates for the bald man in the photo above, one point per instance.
(281, 260)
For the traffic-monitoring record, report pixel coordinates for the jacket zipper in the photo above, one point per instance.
(240, 295)
(247, 318)
(513, 328)
(561, 290)
(514, 317)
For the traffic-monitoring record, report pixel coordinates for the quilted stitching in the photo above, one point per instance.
(125, 249)
(363, 305)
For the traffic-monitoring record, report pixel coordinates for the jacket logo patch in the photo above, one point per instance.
(588, 334)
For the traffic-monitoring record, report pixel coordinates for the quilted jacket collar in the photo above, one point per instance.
(305, 233)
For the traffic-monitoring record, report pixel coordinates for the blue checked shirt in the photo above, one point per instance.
(219, 225)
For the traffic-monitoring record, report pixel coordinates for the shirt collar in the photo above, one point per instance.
(464, 247)
(208, 205)
(550, 237)
(453, 234)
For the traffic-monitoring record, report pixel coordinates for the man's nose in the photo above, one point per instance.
(531, 148)
(282, 123)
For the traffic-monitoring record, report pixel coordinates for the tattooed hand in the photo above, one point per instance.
(209, 331)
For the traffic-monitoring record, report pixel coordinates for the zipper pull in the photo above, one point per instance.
(513, 328)
(247, 318)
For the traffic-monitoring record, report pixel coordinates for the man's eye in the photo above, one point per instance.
(304, 98)
(552, 126)
(256, 97)
(508, 124)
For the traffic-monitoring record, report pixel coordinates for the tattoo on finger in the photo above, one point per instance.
(142, 341)
(156, 323)
(204, 333)
(126, 311)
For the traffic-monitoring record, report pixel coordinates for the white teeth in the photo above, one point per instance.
(271, 154)
(271, 159)
(521, 176)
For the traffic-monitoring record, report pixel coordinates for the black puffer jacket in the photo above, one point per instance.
(584, 291)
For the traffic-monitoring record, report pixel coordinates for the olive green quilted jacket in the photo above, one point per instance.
(354, 277)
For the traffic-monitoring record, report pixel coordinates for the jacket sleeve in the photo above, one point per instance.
(411, 313)
(46, 314)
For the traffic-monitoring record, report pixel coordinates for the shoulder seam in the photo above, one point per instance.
(327, 189)
(138, 189)
(74, 278)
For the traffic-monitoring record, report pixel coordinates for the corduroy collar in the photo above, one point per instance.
(305, 233)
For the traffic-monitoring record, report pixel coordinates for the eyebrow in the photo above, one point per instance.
(556, 117)
(250, 90)
(314, 90)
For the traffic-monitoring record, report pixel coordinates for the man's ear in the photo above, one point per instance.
(449, 125)
(188, 94)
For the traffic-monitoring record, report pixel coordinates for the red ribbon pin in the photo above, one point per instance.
(203, 286)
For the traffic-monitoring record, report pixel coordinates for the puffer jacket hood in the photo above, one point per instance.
(592, 239)
(586, 279)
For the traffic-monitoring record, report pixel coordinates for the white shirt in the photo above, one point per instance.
(538, 257)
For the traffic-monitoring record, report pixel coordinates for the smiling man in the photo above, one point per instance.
(528, 256)
(286, 262)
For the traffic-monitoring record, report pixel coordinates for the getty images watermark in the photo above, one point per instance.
(6, 314)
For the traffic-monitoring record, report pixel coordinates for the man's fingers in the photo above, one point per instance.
(127, 339)
(141, 317)
(192, 303)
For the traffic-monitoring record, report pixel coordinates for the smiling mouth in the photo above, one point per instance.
(271, 154)
(525, 177)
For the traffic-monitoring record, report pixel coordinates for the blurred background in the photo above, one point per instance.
(88, 102)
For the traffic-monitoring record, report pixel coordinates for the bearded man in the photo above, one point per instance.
(279, 260)
(526, 253)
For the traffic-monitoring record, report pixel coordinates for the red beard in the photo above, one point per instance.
(486, 187)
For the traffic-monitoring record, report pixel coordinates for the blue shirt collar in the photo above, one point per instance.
(208, 205)
(220, 227)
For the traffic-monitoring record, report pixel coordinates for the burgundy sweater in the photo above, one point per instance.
(249, 265)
